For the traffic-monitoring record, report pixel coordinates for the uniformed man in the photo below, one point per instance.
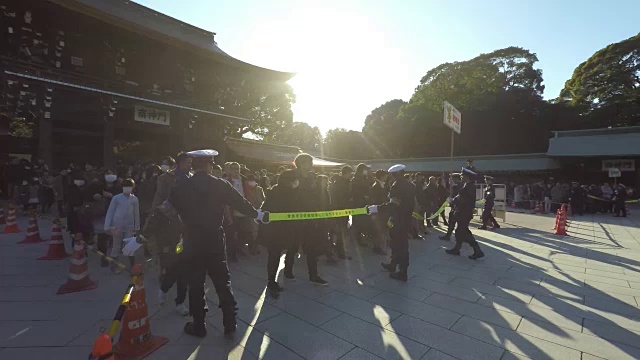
(470, 167)
(200, 201)
(464, 204)
(489, 200)
(455, 188)
(400, 207)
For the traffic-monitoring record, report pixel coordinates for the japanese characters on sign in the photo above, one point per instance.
(151, 115)
(620, 164)
(452, 117)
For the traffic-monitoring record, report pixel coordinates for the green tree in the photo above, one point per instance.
(267, 104)
(298, 134)
(383, 129)
(606, 87)
(347, 144)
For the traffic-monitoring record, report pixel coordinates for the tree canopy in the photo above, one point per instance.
(606, 87)
(298, 134)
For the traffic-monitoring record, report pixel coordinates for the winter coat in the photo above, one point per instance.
(280, 233)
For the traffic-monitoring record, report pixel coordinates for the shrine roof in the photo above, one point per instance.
(143, 20)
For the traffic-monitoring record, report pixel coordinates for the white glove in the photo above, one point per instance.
(130, 247)
(449, 200)
(372, 209)
(260, 215)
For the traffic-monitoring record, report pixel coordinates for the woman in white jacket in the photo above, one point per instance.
(122, 220)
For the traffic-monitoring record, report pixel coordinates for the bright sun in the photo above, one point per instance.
(341, 60)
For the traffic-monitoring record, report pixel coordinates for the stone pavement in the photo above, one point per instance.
(535, 296)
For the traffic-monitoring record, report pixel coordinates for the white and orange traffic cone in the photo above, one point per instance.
(557, 218)
(12, 224)
(135, 340)
(562, 222)
(79, 279)
(33, 234)
(56, 244)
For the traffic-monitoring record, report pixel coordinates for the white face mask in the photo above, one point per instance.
(164, 168)
(78, 182)
(252, 183)
(295, 184)
(127, 190)
(110, 178)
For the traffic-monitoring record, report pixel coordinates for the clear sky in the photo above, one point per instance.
(353, 55)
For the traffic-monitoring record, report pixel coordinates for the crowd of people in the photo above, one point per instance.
(217, 206)
(584, 199)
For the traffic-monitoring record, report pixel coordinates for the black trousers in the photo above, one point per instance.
(620, 208)
(452, 222)
(103, 245)
(463, 234)
(487, 217)
(214, 265)
(173, 271)
(400, 245)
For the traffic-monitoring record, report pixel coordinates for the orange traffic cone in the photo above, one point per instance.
(12, 223)
(135, 340)
(562, 222)
(33, 234)
(102, 348)
(539, 209)
(56, 244)
(79, 279)
(557, 218)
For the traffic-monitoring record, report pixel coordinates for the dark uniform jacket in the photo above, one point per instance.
(489, 197)
(200, 201)
(401, 214)
(465, 201)
(577, 195)
(341, 193)
(379, 193)
(279, 234)
(360, 188)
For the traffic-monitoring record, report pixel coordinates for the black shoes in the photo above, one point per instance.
(389, 267)
(318, 280)
(289, 276)
(402, 276)
(453, 252)
(482, 227)
(192, 329)
(477, 255)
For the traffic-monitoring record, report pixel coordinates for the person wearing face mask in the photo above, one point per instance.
(278, 236)
(122, 220)
(255, 195)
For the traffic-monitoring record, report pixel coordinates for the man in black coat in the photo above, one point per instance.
(341, 199)
(200, 202)
(489, 201)
(464, 204)
(400, 207)
(360, 195)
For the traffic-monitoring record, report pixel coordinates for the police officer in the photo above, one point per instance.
(200, 201)
(400, 206)
(455, 188)
(489, 200)
(464, 204)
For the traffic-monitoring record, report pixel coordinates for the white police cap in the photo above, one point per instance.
(396, 168)
(203, 153)
(468, 172)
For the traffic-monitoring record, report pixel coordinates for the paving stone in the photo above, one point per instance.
(578, 341)
(46, 353)
(42, 333)
(611, 332)
(434, 354)
(192, 352)
(383, 282)
(417, 309)
(487, 289)
(383, 343)
(306, 340)
(477, 311)
(304, 308)
(478, 274)
(265, 347)
(445, 289)
(359, 308)
(447, 341)
(514, 341)
(359, 354)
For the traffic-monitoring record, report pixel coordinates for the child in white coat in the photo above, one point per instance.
(122, 220)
